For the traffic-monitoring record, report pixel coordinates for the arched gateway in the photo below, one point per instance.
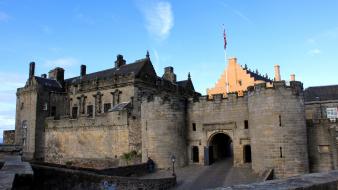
(219, 148)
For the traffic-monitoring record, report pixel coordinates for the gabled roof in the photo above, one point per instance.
(135, 68)
(186, 84)
(49, 83)
(321, 93)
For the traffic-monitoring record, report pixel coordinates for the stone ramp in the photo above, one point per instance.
(203, 177)
(14, 170)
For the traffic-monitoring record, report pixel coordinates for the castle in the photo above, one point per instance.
(99, 116)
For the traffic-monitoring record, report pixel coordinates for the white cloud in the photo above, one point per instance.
(61, 62)
(3, 16)
(159, 18)
(315, 51)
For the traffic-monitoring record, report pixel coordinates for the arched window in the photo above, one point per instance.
(24, 132)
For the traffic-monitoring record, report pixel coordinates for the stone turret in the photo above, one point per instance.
(169, 74)
(278, 129)
(163, 130)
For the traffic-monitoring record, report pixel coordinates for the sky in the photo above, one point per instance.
(301, 36)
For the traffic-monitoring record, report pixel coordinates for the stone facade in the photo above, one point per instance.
(99, 117)
(9, 137)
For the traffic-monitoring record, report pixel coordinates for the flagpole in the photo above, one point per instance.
(225, 57)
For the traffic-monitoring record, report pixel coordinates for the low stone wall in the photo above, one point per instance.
(125, 171)
(314, 181)
(54, 178)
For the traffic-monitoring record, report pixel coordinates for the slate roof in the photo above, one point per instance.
(124, 69)
(121, 106)
(322, 92)
(183, 83)
(50, 83)
(258, 77)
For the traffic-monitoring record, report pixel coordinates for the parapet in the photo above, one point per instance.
(230, 97)
(295, 86)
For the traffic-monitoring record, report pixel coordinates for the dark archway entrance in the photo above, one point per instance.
(195, 156)
(247, 154)
(220, 147)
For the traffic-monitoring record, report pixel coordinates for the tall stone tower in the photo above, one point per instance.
(278, 128)
(163, 130)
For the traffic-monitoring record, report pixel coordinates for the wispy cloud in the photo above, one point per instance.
(237, 13)
(159, 18)
(61, 62)
(314, 52)
(84, 18)
(4, 16)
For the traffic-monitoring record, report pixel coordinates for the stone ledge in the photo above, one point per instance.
(327, 180)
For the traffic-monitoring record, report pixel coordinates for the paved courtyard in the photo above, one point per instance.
(219, 174)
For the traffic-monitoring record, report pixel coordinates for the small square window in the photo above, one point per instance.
(194, 126)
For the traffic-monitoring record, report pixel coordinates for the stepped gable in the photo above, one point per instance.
(257, 76)
(321, 93)
(135, 68)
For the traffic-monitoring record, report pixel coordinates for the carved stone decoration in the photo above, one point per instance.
(98, 102)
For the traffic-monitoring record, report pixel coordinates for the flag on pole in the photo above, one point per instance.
(225, 39)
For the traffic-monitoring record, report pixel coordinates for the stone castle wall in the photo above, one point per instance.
(100, 138)
(278, 132)
(163, 130)
(322, 145)
(218, 115)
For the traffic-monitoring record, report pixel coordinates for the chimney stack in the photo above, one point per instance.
(83, 70)
(169, 74)
(31, 69)
(292, 77)
(277, 73)
(119, 61)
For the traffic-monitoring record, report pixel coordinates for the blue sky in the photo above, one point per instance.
(301, 36)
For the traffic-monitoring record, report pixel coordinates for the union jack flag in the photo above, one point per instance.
(225, 39)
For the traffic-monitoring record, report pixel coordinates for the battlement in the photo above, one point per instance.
(233, 96)
(295, 86)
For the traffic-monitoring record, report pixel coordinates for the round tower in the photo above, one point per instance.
(163, 130)
(278, 129)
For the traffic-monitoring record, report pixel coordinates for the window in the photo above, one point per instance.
(53, 111)
(332, 113)
(194, 126)
(106, 107)
(240, 82)
(280, 120)
(90, 110)
(74, 112)
(246, 124)
(24, 132)
(280, 152)
(21, 107)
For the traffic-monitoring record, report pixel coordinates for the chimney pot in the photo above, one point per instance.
(292, 77)
(277, 73)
